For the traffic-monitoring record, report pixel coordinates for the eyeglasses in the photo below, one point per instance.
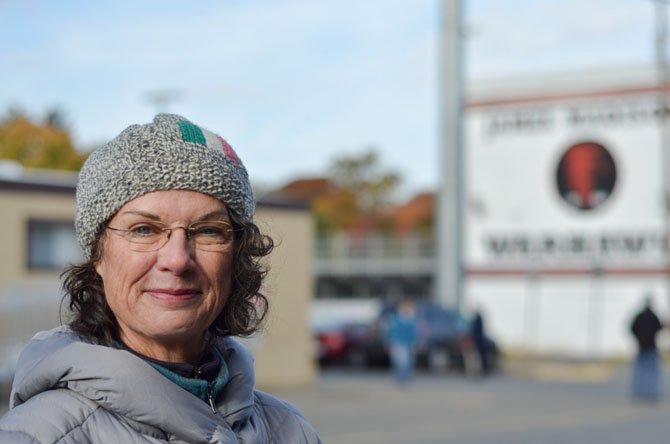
(150, 236)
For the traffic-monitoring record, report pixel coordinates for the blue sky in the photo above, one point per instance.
(294, 83)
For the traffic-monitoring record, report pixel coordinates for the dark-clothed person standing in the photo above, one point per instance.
(173, 271)
(646, 376)
(481, 342)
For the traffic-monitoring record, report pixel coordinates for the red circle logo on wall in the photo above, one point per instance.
(586, 175)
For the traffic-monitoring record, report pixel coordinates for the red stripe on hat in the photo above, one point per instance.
(230, 153)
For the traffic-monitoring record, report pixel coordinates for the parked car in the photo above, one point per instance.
(449, 343)
(367, 348)
(445, 341)
(336, 340)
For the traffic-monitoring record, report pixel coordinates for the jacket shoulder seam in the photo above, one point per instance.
(21, 432)
(82, 422)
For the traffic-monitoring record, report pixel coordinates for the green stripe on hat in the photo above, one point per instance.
(191, 133)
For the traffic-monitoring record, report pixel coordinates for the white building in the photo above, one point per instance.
(564, 218)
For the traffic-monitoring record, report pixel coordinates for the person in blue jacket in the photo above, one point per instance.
(402, 336)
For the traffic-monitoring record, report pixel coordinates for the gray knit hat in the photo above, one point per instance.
(170, 153)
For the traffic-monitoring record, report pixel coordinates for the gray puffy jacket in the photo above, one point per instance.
(69, 391)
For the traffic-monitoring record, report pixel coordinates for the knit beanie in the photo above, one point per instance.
(170, 153)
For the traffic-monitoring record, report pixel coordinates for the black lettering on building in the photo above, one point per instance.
(610, 246)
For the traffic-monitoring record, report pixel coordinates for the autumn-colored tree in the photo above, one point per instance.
(39, 145)
(364, 176)
(417, 215)
(352, 198)
(336, 210)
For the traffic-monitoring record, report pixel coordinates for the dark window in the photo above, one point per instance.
(52, 245)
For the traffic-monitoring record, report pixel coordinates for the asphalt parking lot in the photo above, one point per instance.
(538, 404)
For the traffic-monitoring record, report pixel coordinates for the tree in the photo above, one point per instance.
(39, 145)
(336, 210)
(355, 196)
(364, 177)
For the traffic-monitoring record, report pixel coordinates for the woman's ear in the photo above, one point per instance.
(96, 265)
(98, 253)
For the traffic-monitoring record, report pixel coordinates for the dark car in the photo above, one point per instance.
(367, 348)
(449, 342)
(445, 341)
(331, 344)
(346, 343)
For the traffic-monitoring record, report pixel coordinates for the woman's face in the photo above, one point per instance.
(165, 300)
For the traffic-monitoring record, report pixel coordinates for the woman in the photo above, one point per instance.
(164, 216)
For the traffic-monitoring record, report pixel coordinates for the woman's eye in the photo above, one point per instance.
(144, 230)
(208, 230)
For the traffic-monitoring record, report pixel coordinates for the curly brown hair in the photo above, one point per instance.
(242, 315)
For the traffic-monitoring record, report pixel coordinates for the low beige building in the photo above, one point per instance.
(37, 238)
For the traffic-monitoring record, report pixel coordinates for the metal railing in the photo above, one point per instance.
(345, 253)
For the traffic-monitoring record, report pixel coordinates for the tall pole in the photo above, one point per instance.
(449, 257)
(663, 76)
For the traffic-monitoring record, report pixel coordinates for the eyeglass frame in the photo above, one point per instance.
(166, 233)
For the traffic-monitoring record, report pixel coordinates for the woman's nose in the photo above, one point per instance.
(177, 253)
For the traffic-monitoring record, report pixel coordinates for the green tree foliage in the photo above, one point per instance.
(363, 188)
(39, 144)
(364, 176)
(335, 211)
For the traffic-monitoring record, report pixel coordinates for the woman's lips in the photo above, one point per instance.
(168, 294)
